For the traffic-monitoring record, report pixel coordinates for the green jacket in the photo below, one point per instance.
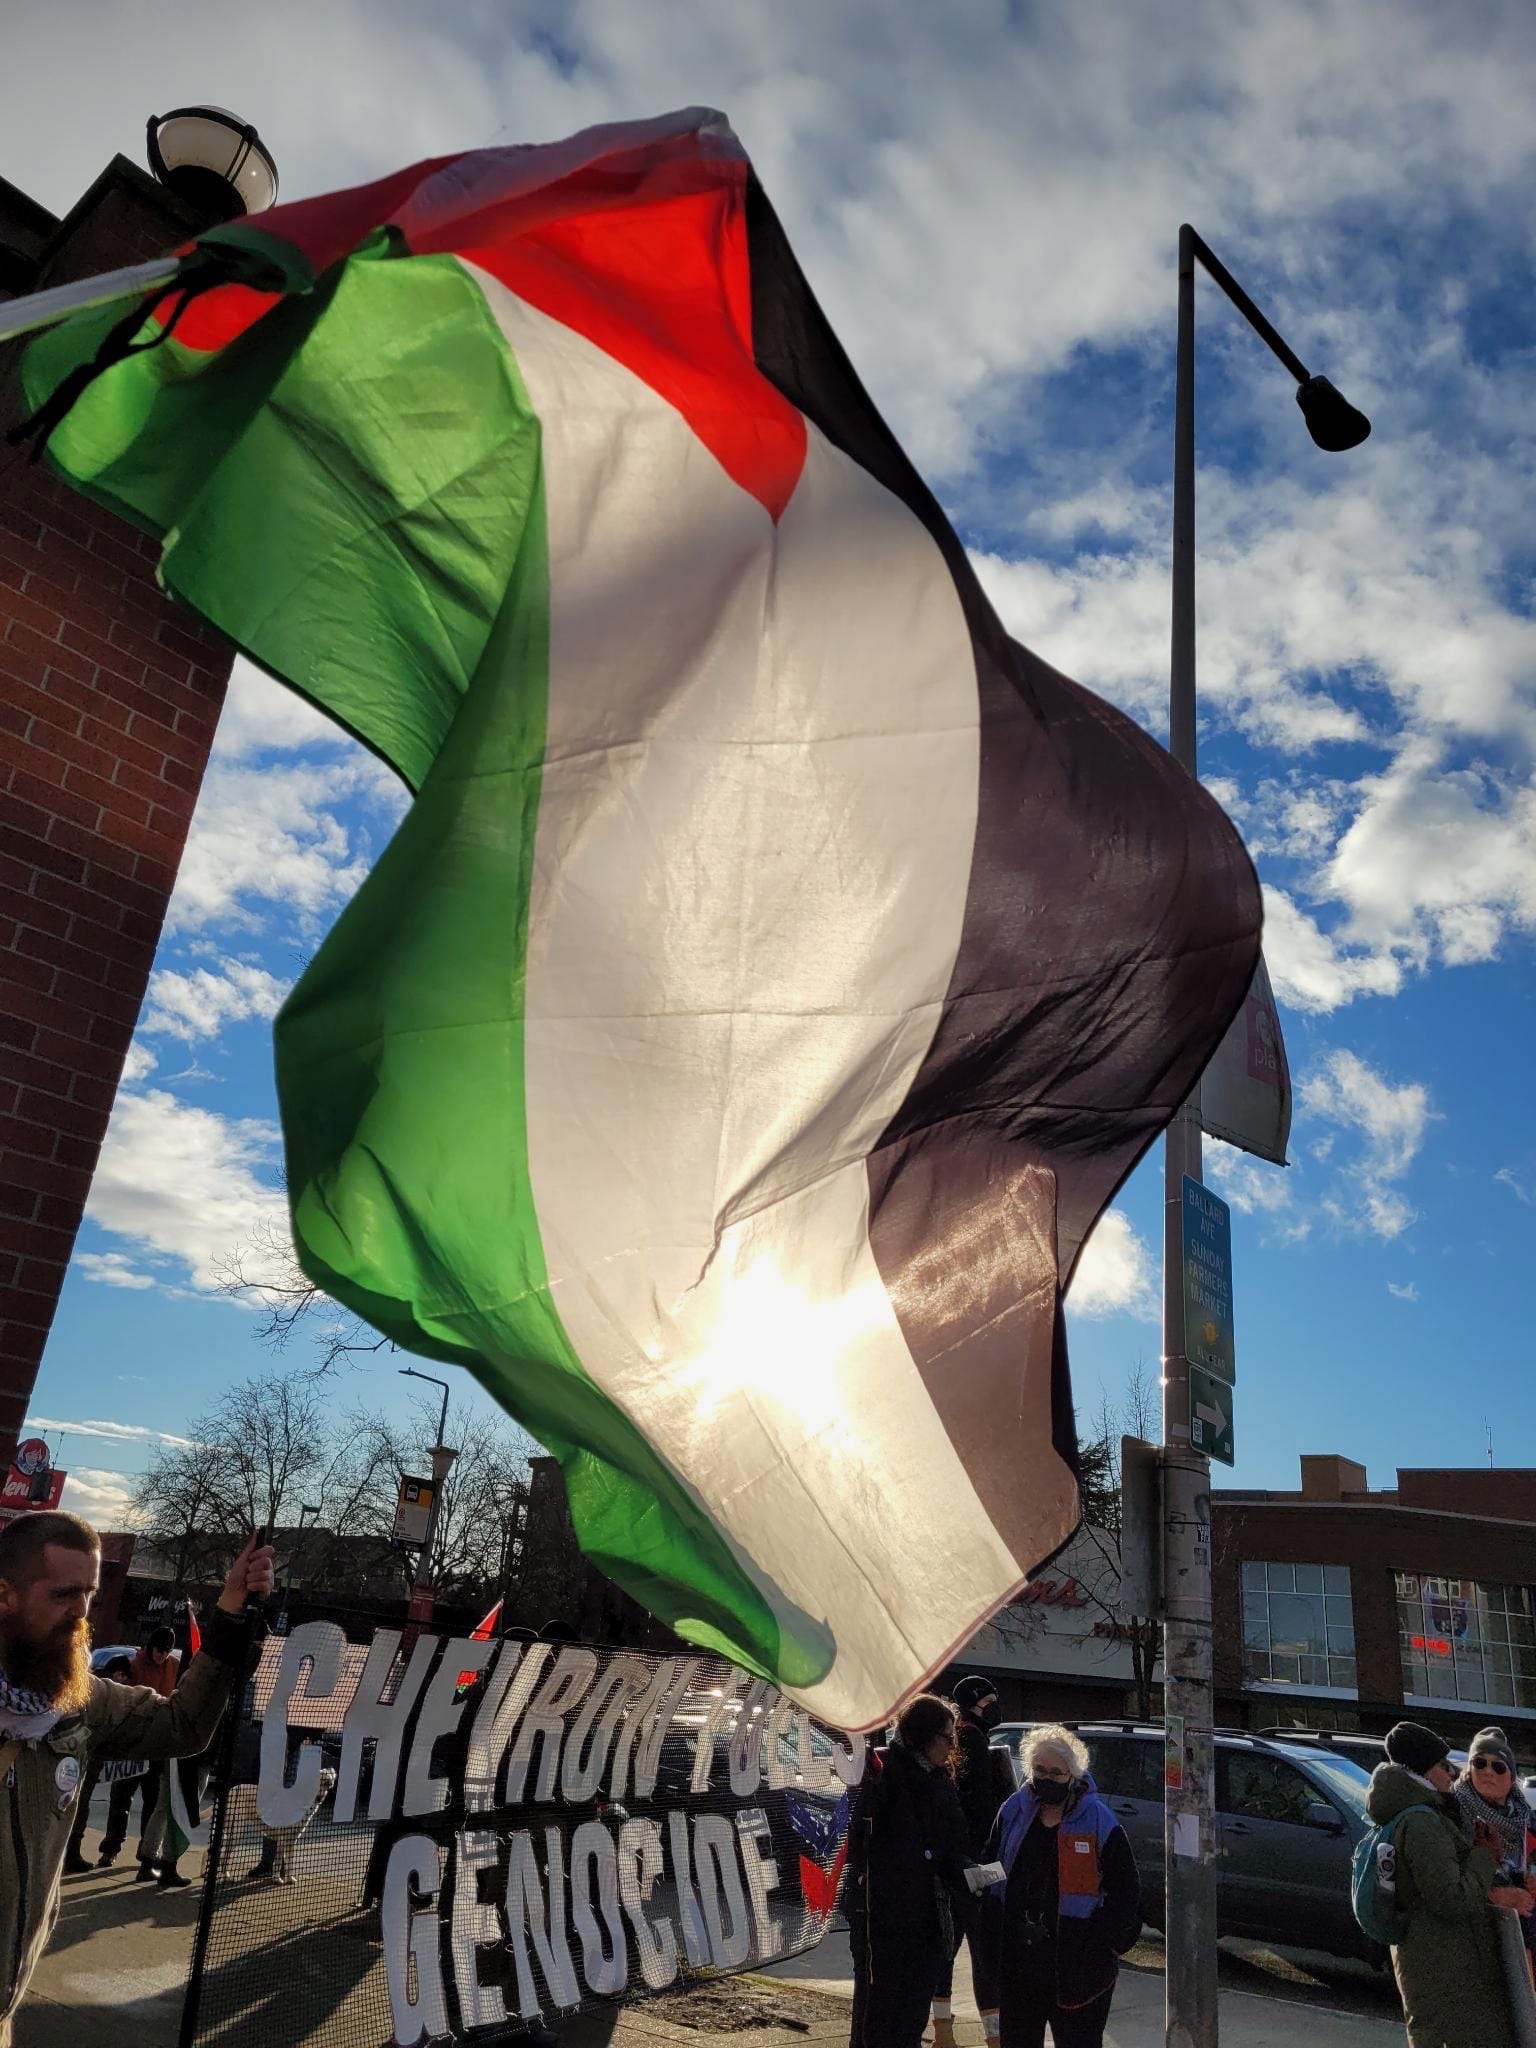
(40, 1782)
(1448, 1969)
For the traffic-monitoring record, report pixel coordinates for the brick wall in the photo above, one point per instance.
(109, 697)
(1374, 1542)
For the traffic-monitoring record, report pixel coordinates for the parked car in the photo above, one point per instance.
(1370, 1750)
(1288, 1816)
(100, 1659)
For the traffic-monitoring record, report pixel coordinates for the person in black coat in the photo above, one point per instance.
(1054, 1932)
(908, 1852)
(984, 1779)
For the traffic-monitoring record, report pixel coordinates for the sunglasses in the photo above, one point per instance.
(1496, 1764)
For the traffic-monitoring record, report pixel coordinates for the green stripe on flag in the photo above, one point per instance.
(352, 492)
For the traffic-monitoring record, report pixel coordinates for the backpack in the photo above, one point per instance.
(1373, 1891)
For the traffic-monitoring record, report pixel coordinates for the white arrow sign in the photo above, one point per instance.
(1213, 1416)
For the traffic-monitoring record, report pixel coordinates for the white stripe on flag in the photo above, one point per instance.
(754, 847)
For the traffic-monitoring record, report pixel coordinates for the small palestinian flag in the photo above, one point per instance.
(777, 969)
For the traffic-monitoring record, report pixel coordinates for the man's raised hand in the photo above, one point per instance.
(251, 1576)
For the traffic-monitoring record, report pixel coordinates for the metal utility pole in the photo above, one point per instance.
(442, 1463)
(1189, 1842)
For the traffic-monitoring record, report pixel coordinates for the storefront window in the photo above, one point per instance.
(1461, 1639)
(1298, 1627)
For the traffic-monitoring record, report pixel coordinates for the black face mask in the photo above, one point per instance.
(989, 1715)
(1050, 1791)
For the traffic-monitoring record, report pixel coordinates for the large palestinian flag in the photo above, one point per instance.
(777, 969)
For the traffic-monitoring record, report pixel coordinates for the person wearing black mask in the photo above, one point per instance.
(1071, 1903)
(983, 1779)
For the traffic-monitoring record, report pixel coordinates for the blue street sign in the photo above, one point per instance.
(1208, 1334)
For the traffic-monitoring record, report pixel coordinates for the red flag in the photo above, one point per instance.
(487, 1627)
(194, 1634)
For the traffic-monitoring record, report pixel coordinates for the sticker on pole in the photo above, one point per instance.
(1207, 1241)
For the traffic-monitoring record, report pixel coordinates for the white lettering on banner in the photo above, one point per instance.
(311, 1658)
(605, 1967)
(752, 1830)
(441, 1712)
(411, 1939)
(640, 1865)
(370, 1719)
(849, 1759)
(695, 1940)
(476, 1930)
(783, 1764)
(495, 1921)
(815, 1771)
(717, 1708)
(645, 1728)
(626, 1680)
(714, 1849)
(747, 1739)
(526, 1916)
(564, 1688)
(513, 1678)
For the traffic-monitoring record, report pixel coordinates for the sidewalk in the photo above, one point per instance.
(116, 1970)
(1248, 2019)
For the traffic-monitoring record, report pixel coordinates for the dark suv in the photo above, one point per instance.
(1288, 1816)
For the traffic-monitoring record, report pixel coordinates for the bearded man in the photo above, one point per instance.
(56, 1718)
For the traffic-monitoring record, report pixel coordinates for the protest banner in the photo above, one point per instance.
(445, 1837)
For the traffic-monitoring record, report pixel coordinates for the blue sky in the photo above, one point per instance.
(987, 199)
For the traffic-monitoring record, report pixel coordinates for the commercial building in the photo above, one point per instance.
(1335, 1606)
(1339, 1606)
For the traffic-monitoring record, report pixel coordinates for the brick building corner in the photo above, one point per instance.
(109, 697)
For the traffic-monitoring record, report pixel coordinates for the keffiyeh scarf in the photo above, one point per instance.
(25, 1715)
(1509, 1820)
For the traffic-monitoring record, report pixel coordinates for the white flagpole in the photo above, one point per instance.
(45, 309)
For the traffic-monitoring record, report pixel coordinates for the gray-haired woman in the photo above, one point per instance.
(1071, 1906)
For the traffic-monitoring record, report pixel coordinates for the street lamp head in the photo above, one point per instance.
(1332, 421)
(214, 162)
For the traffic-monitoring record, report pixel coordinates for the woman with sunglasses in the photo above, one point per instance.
(908, 1853)
(1498, 1814)
(1489, 1795)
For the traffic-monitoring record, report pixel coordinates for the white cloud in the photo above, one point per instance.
(1507, 1177)
(139, 1064)
(262, 716)
(184, 1182)
(1438, 860)
(103, 1498)
(199, 1005)
(1390, 1121)
(267, 837)
(111, 1432)
(1407, 1292)
(1257, 1188)
(113, 1269)
(1115, 1274)
(1310, 969)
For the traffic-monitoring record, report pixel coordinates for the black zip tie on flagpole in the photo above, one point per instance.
(117, 345)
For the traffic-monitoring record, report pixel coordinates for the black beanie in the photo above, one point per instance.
(1416, 1747)
(970, 1692)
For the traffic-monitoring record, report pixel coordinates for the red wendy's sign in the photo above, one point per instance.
(1042, 1592)
(26, 1491)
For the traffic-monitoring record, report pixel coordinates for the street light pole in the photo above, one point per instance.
(442, 1463)
(1189, 1816)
